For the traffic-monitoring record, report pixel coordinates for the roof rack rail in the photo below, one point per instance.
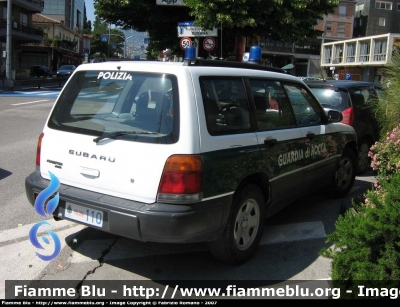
(232, 64)
(254, 61)
(99, 60)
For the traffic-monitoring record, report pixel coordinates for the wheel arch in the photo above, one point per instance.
(260, 180)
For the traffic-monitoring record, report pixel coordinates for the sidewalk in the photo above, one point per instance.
(32, 83)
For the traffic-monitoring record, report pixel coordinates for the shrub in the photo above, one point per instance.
(385, 155)
(387, 110)
(367, 240)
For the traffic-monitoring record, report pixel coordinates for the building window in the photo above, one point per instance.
(328, 26)
(359, 6)
(338, 54)
(380, 50)
(351, 53)
(23, 19)
(341, 29)
(382, 22)
(342, 10)
(78, 20)
(327, 54)
(364, 52)
(383, 5)
(398, 6)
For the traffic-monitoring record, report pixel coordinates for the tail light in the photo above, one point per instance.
(181, 180)
(348, 116)
(39, 146)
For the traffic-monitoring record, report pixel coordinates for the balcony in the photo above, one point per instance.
(34, 6)
(62, 45)
(21, 31)
(372, 50)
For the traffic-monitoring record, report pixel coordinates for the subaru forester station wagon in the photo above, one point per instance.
(190, 151)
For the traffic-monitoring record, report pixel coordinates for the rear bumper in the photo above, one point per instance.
(155, 222)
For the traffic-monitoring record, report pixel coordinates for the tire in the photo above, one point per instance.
(364, 162)
(345, 175)
(244, 227)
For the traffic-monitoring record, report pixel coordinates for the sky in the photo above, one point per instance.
(90, 16)
(89, 10)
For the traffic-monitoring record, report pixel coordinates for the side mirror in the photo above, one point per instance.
(335, 116)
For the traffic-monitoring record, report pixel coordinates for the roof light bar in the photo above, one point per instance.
(190, 53)
(255, 55)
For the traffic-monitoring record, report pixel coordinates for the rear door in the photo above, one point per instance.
(97, 139)
(321, 147)
(280, 141)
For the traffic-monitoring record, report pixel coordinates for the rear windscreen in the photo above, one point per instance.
(136, 106)
(331, 98)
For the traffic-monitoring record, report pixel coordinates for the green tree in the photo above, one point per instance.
(87, 24)
(285, 20)
(160, 22)
(104, 49)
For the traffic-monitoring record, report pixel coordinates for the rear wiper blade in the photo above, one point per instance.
(115, 134)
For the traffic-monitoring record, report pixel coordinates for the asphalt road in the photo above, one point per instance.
(289, 249)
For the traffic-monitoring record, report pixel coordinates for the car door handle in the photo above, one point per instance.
(270, 142)
(310, 135)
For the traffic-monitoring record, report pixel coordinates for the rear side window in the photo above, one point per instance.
(226, 107)
(272, 106)
(140, 107)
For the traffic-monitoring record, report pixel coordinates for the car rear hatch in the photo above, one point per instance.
(111, 132)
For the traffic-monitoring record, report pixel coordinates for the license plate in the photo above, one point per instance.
(84, 215)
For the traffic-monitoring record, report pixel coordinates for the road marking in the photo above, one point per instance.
(17, 104)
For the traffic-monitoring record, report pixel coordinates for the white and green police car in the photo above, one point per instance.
(189, 151)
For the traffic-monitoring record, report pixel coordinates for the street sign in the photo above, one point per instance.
(104, 38)
(348, 76)
(209, 44)
(170, 2)
(188, 29)
(137, 57)
(185, 41)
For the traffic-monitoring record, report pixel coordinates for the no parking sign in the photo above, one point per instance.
(208, 43)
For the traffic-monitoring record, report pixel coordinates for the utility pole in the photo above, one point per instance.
(108, 44)
(9, 44)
